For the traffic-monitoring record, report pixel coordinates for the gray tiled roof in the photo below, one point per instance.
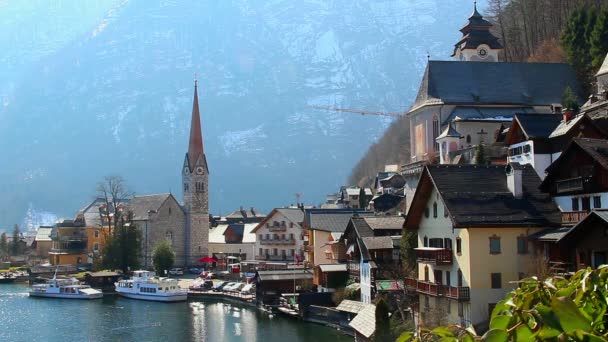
(141, 205)
(490, 203)
(365, 321)
(385, 222)
(378, 242)
(495, 83)
(295, 215)
(486, 113)
(284, 275)
(538, 126)
(333, 268)
(351, 306)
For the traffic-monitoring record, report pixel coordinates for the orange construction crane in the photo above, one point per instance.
(357, 111)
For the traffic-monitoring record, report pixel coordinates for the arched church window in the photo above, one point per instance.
(200, 187)
(468, 139)
(435, 132)
(169, 237)
(185, 186)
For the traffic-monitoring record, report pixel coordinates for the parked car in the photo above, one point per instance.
(195, 270)
(176, 271)
(230, 286)
(248, 289)
(220, 286)
(202, 286)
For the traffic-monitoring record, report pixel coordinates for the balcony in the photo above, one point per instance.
(278, 228)
(571, 218)
(274, 257)
(432, 255)
(286, 241)
(569, 185)
(460, 293)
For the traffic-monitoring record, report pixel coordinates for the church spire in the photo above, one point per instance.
(195, 146)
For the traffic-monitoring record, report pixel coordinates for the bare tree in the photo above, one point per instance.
(115, 193)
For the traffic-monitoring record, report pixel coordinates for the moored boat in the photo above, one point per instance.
(65, 289)
(145, 286)
(7, 278)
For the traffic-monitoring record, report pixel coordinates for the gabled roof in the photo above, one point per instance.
(378, 242)
(333, 268)
(361, 227)
(489, 203)
(295, 215)
(216, 234)
(597, 219)
(331, 220)
(595, 148)
(486, 114)
(523, 84)
(244, 213)
(450, 131)
(385, 222)
(43, 234)
(142, 205)
(365, 321)
(351, 306)
(278, 275)
(537, 126)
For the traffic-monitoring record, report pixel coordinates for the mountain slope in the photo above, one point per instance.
(108, 91)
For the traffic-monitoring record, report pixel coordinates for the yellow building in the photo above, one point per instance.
(73, 243)
(472, 225)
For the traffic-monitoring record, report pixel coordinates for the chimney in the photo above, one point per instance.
(568, 114)
(514, 179)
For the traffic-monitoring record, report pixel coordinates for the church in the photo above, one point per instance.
(160, 216)
(471, 99)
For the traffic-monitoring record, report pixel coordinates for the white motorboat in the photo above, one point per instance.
(64, 288)
(145, 286)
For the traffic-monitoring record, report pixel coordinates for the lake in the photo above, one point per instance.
(118, 319)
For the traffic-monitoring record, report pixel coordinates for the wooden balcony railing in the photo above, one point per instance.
(460, 293)
(437, 256)
(573, 217)
(569, 185)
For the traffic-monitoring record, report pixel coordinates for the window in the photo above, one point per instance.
(586, 203)
(267, 236)
(522, 245)
(169, 211)
(597, 201)
(97, 234)
(435, 132)
(185, 186)
(458, 246)
(293, 252)
(445, 211)
(261, 237)
(496, 280)
(447, 242)
(282, 223)
(527, 149)
(426, 302)
(436, 242)
(291, 237)
(96, 247)
(494, 245)
(261, 251)
(448, 278)
(426, 241)
(282, 236)
(574, 203)
(459, 280)
(435, 209)
(290, 224)
(267, 225)
(426, 212)
(426, 273)
(200, 186)
(275, 252)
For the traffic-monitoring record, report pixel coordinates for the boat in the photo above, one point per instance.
(144, 285)
(64, 288)
(7, 278)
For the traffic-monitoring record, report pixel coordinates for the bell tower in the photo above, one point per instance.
(195, 182)
(477, 44)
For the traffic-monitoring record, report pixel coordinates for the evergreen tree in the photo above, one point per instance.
(122, 249)
(163, 257)
(480, 154)
(14, 248)
(598, 40)
(3, 246)
(569, 100)
(383, 323)
(362, 198)
(575, 41)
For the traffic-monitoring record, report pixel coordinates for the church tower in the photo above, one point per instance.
(478, 44)
(195, 179)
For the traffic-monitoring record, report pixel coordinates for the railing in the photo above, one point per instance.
(461, 293)
(278, 241)
(437, 257)
(569, 185)
(275, 257)
(277, 228)
(573, 217)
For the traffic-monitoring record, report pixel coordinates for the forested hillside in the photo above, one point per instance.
(573, 31)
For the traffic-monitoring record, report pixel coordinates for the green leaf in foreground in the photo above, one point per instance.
(569, 315)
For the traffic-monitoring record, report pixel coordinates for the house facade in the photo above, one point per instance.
(280, 236)
(473, 241)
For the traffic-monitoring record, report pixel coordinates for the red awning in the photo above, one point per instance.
(207, 259)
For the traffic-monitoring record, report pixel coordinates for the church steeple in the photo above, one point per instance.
(195, 146)
(477, 42)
